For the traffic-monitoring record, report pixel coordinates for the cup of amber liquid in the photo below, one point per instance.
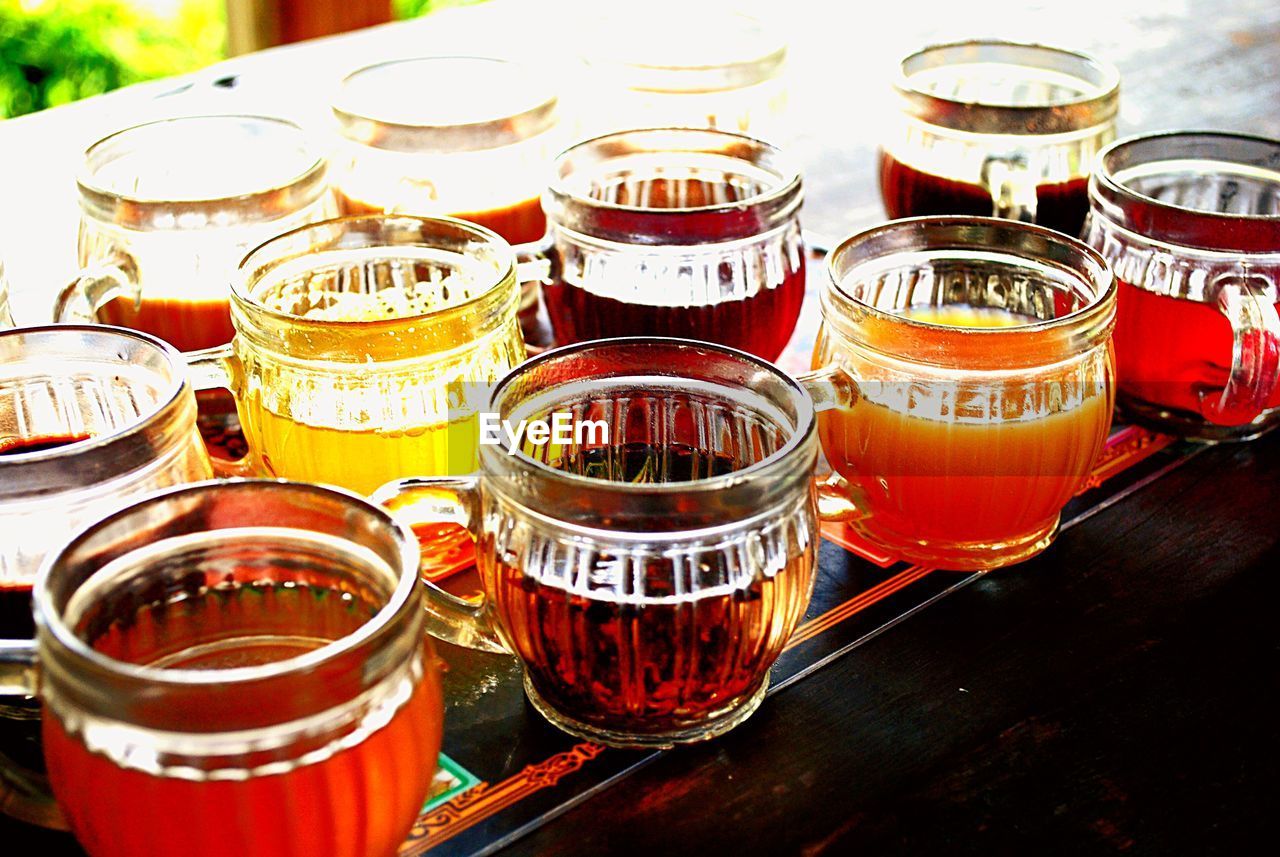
(998, 128)
(356, 340)
(244, 661)
(965, 381)
(648, 569)
(1190, 222)
(169, 208)
(478, 149)
(675, 232)
(90, 419)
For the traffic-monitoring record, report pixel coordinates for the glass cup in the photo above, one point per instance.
(90, 417)
(233, 668)
(356, 340)
(648, 571)
(998, 128)
(169, 208)
(477, 149)
(1190, 223)
(965, 382)
(692, 68)
(6, 318)
(675, 232)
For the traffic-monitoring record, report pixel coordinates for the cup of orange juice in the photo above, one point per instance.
(965, 373)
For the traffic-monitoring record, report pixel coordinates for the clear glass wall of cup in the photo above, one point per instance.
(695, 68)
(6, 317)
(169, 208)
(90, 417)
(998, 128)
(235, 668)
(1190, 222)
(356, 342)
(478, 147)
(966, 381)
(675, 232)
(648, 571)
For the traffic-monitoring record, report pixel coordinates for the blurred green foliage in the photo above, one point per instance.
(416, 8)
(58, 51)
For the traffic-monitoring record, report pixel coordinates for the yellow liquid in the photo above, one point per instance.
(967, 316)
(360, 461)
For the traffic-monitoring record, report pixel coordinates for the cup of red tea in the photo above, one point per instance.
(1190, 222)
(90, 419)
(236, 668)
(675, 232)
(998, 128)
(648, 571)
(169, 208)
(965, 385)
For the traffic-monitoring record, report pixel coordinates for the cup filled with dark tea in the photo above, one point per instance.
(90, 419)
(675, 232)
(229, 655)
(648, 566)
(999, 129)
(1190, 222)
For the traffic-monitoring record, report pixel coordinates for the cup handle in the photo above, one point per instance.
(445, 500)
(18, 674)
(1255, 352)
(211, 369)
(96, 286)
(1012, 185)
(832, 387)
(537, 264)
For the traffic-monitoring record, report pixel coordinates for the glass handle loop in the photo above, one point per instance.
(1012, 184)
(445, 500)
(96, 286)
(838, 501)
(830, 387)
(537, 263)
(18, 672)
(1255, 352)
(211, 369)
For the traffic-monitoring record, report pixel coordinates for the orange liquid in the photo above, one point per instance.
(362, 800)
(964, 491)
(519, 223)
(187, 325)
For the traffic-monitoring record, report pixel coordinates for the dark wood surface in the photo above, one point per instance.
(1112, 695)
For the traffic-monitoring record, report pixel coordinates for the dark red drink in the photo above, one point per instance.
(909, 192)
(21, 445)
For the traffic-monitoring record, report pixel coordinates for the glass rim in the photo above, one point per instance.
(51, 620)
(24, 467)
(443, 138)
(241, 293)
(1118, 202)
(805, 424)
(309, 178)
(1060, 116)
(835, 281)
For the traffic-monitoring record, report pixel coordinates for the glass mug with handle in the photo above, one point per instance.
(356, 340)
(674, 232)
(1190, 223)
(649, 571)
(246, 662)
(169, 208)
(965, 381)
(90, 417)
(477, 150)
(998, 128)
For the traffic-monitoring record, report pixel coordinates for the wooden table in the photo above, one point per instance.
(1110, 695)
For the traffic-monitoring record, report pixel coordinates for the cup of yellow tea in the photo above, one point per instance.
(356, 342)
(965, 372)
